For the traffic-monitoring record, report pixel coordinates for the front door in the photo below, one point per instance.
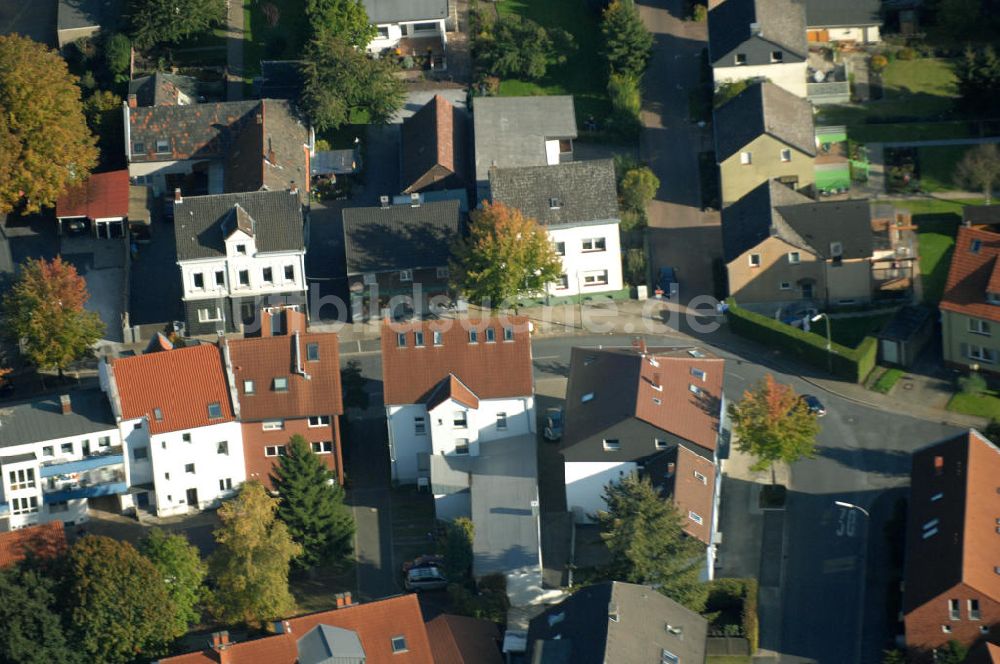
(807, 291)
(142, 500)
(192, 498)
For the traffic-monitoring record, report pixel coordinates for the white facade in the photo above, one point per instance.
(240, 276)
(154, 173)
(585, 482)
(389, 34)
(413, 430)
(189, 469)
(53, 479)
(591, 258)
(791, 76)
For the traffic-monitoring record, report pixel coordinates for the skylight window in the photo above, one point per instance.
(975, 246)
(214, 410)
(589, 396)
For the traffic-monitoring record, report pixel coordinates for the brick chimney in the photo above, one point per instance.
(340, 600)
(133, 101)
(347, 599)
(65, 404)
(220, 645)
(177, 196)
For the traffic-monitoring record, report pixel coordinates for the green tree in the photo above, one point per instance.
(250, 565)
(312, 506)
(505, 254)
(627, 42)
(893, 657)
(626, 104)
(353, 385)
(340, 80)
(183, 572)
(978, 74)
(31, 630)
(953, 653)
(979, 169)
(638, 188)
(165, 21)
(345, 20)
(120, 607)
(45, 144)
(44, 312)
(959, 18)
(773, 424)
(458, 535)
(516, 47)
(118, 56)
(645, 536)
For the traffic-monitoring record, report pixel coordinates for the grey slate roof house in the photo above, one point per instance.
(843, 20)
(395, 247)
(618, 622)
(521, 131)
(162, 89)
(236, 253)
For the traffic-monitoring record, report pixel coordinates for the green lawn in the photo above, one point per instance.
(911, 131)
(888, 380)
(982, 405)
(283, 41)
(937, 166)
(937, 223)
(583, 75)
(850, 331)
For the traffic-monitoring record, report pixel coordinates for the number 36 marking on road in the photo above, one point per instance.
(847, 523)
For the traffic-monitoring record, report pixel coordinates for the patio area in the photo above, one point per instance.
(427, 52)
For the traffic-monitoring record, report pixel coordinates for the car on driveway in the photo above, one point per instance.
(814, 405)
(425, 577)
(553, 424)
(666, 283)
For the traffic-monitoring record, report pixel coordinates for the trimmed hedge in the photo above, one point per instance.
(726, 597)
(853, 364)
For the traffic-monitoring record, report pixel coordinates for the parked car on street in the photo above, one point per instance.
(553, 424)
(814, 405)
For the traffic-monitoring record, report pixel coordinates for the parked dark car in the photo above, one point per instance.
(425, 577)
(666, 283)
(814, 405)
(553, 424)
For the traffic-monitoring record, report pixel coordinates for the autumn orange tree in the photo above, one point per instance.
(45, 144)
(46, 316)
(505, 254)
(773, 424)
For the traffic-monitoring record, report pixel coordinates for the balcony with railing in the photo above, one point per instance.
(112, 456)
(100, 481)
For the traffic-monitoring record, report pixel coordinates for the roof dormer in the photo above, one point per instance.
(239, 229)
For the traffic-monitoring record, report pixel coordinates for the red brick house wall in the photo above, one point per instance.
(255, 439)
(924, 624)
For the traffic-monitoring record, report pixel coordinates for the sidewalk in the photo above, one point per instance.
(234, 49)
(648, 318)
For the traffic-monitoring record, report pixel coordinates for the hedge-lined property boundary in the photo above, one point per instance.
(731, 596)
(853, 364)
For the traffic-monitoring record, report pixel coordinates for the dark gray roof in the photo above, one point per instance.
(638, 635)
(773, 209)
(400, 237)
(74, 14)
(764, 108)
(905, 323)
(584, 191)
(988, 215)
(42, 419)
(749, 221)
(842, 13)
(202, 222)
(755, 27)
(823, 222)
(395, 11)
(324, 644)
(161, 88)
(511, 131)
(18, 458)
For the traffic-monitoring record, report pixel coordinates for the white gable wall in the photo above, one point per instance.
(585, 482)
(579, 263)
(791, 76)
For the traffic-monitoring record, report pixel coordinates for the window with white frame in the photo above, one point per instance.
(248, 387)
(660, 443)
(241, 249)
(491, 335)
(220, 278)
(977, 326)
(399, 644)
(777, 56)
(268, 275)
(982, 354)
(740, 59)
(419, 426)
(22, 479)
(438, 337)
(501, 421)
(562, 282)
(199, 280)
(209, 314)
(319, 421)
(699, 373)
(162, 146)
(406, 275)
(794, 257)
(226, 484)
(598, 278)
(560, 248)
(274, 450)
(48, 451)
(66, 448)
(694, 389)
(953, 613)
(322, 447)
(401, 340)
(27, 505)
(612, 445)
(700, 477)
(594, 244)
(754, 260)
(974, 613)
(786, 154)
(508, 333)
(273, 425)
(746, 158)
(280, 384)
(473, 336)
(222, 447)
(461, 446)
(189, 468)
(244, 276)
(460, 419)
(785, 285)
(694, 516)
(418, 339)
(289, 273)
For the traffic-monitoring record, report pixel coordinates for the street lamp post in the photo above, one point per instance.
(852, 506)
(829, 342)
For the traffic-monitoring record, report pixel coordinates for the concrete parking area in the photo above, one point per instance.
(102, 265)
(155, 295)
(692, 252)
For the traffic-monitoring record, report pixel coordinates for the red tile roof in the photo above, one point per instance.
(376, 623)
(434, 146)
(47, 540)
(960, 543)
(693, 495)
(452, 388)
(262, 359)
(491, 370)
(464, 640)
(972, 274)
(181, 383)
(101, 196)
(691, 416)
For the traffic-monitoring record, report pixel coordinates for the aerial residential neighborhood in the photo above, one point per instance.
(506, 331)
